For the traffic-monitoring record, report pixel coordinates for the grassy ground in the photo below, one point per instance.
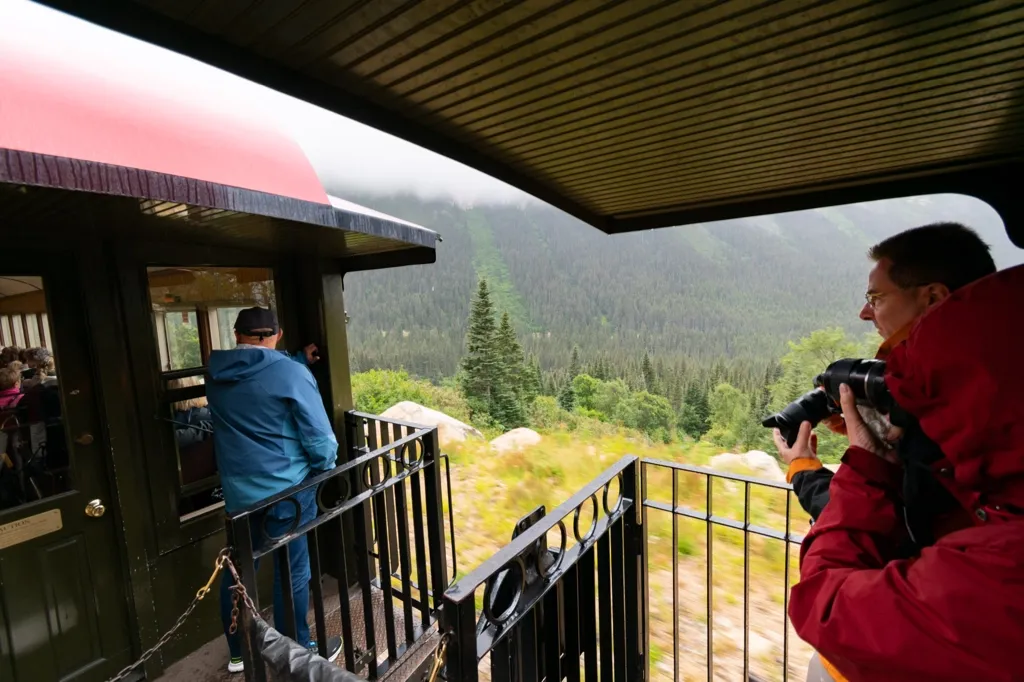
(491, 491)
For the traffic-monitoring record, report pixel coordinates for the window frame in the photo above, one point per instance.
(173, 530)
(49, 280)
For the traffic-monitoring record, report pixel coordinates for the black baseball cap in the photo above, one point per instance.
(257, 322)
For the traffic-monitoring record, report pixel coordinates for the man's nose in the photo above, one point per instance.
(867, 313)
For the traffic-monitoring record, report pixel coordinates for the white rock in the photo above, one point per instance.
(762, 464)
(516, 439)
(449, 429)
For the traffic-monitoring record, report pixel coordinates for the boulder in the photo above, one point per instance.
(760, 463)
(516, 439)
(449, 429)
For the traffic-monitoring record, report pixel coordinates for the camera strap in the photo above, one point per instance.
(924, 497)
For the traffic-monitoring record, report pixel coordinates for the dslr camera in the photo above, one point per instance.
(864, 377)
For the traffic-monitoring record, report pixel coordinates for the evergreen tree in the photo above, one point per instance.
(567, 397)
(481, 367)
(549, 385)
(532, 380)
(647, 370)
(675, 391)
(510, 356)
(695, 416)
(574, 363)
(507, 400)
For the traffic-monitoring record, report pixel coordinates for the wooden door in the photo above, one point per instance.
(63, 603)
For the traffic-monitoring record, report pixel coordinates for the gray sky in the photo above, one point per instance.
(345, 153)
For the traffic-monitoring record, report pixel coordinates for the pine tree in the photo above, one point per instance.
(695, 416)
(647, 369)
(507, 403)
(532, 380)
(675, 391)
(481, 367)
(574, 363)
(510, 355)
(567, 397)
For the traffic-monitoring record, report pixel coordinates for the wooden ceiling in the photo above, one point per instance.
(633, 114)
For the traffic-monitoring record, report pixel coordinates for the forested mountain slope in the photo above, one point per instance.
(733, 289)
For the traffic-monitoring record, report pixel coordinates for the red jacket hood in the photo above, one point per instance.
(961, 374)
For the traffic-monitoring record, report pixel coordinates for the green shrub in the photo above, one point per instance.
(377, 390)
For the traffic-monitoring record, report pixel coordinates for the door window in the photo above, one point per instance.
(193, 312)
(34, 459)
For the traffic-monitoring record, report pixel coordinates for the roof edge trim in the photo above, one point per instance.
(41, 170)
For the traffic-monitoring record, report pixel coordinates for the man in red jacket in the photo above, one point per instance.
(914, 270)
(955, 609)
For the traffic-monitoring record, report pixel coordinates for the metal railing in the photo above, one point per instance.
(711, 520)
(581, 610)
(554, 613)
(379, 515)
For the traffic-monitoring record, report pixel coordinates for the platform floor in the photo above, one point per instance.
(209, 662)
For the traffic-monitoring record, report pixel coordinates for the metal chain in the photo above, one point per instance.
(218, 564)
(435, 669)
(239, 592)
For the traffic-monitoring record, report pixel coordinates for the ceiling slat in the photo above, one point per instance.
(621, 111)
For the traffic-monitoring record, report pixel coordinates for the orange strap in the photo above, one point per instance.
(831, 670)
(802, 464)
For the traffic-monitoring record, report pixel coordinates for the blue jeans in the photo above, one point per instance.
(279, 521)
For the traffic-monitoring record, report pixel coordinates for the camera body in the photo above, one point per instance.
(866, 378)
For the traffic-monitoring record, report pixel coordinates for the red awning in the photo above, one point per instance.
(50, 108)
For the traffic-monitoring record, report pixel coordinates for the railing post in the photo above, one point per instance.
(240, 534)
(460, 626)
(362, 525)
(645, 583)
(435, 516)
(633, 532)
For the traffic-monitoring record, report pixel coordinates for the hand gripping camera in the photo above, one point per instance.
(864, 377)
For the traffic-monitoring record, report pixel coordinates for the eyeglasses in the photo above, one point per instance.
(872, 298)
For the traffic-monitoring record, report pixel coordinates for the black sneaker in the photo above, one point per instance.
(333, 648)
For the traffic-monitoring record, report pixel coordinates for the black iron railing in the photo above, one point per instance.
(379, 530)
(554, 613)
(651, 467)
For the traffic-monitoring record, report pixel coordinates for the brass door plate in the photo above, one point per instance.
(29, 528)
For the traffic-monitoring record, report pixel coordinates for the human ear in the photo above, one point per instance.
(936, 293)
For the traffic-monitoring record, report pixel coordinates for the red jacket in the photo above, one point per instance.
(956, 611)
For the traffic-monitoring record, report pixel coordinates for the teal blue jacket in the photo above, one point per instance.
(270, 429)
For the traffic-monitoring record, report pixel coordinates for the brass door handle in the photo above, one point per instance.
(84, 439)
(95, 509)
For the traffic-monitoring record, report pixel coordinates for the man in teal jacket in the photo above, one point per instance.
(270, 432)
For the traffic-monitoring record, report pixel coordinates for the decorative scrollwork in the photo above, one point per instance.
(415, 451)
(500, 579)
(576, 521)
(386, 474)
(545, 573)
(342, 498)
(291, 529)
(618, 503)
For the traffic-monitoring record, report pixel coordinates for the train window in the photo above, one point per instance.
(34, 461)
(194, 311)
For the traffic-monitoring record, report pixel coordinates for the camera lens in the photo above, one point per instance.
(866, 378)
(810, 407)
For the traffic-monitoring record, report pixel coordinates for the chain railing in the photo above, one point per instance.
(223, 559)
